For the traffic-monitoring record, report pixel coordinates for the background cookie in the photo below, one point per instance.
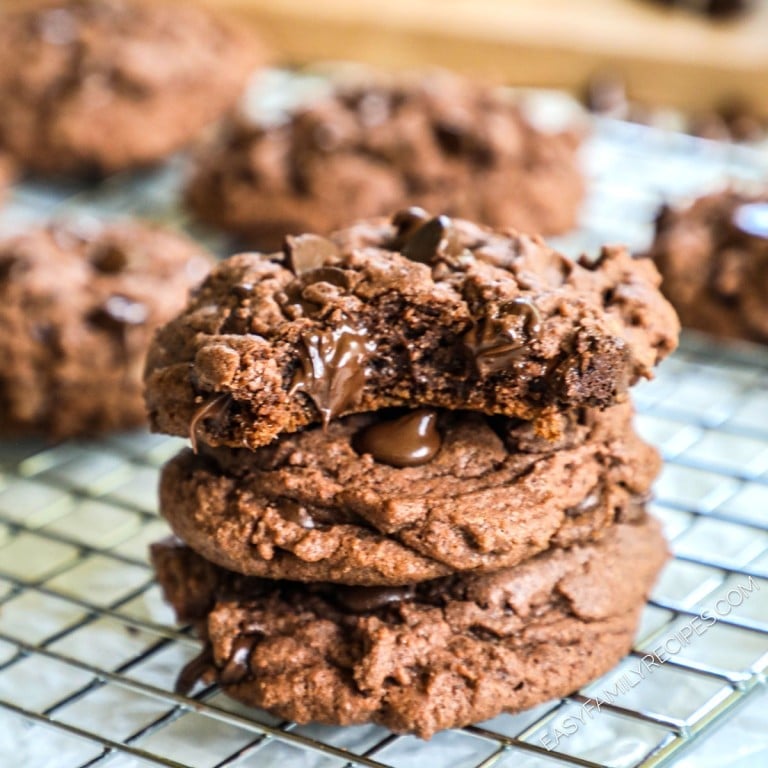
(440, 142)
(7, 172)
(316, 506)
(94, 86)
(423, 311)
(78, 306)
(417, 659)
(713, 257)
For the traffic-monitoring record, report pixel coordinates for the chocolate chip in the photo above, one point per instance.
(308, 252)
(368, 599)
(495, 342)
(424, 244)
(109, 259)
(213, 409)
(451, 138)
(238, 665)
(117, 312)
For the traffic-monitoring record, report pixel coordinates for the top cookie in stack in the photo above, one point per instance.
(417, 311)
(416, 497)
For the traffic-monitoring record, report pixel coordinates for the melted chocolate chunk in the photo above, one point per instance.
(410, 441)
(238, 666)
(213, 409)
(193, 671)
(496, 342)
(333, 369)
(751, 219)
(369, 599)
(307, 252)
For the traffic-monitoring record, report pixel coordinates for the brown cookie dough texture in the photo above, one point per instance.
(440, 142)
(96, 86)
(416, 312)
(312, 507)
(78, 306)
(7, 172)
(713, 257)
(422, 658)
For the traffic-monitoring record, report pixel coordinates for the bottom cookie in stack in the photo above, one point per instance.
(423, 657)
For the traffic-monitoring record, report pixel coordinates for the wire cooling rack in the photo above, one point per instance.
(89, 652)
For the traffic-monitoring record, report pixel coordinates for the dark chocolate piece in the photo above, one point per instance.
(410, 441)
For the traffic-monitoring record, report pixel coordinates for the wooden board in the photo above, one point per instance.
(667, 56)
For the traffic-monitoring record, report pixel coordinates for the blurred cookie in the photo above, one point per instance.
(449, 145)
(96, 86)
(713, 258)
(418, 658)
(465, 493)
(78, 307)
(7, 172)
(420, 311)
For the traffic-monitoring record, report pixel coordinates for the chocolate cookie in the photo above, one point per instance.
(419, 312)
(78, 307)
(382, 500)
(7, 172)
(441, 142)
(713, 257)
(423, 657)
(95, 86)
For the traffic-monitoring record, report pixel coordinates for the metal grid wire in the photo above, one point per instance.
(89, 652)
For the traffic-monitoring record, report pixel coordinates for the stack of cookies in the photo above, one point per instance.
(414, 495)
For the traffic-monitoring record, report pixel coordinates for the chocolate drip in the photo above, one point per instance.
(368, 599)
(295, 513)
(213, 409)
(238, 666)
(194, 670)
(496, 342)
(308, 252)
(410, 441)
(751, 219)
(333, 369)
